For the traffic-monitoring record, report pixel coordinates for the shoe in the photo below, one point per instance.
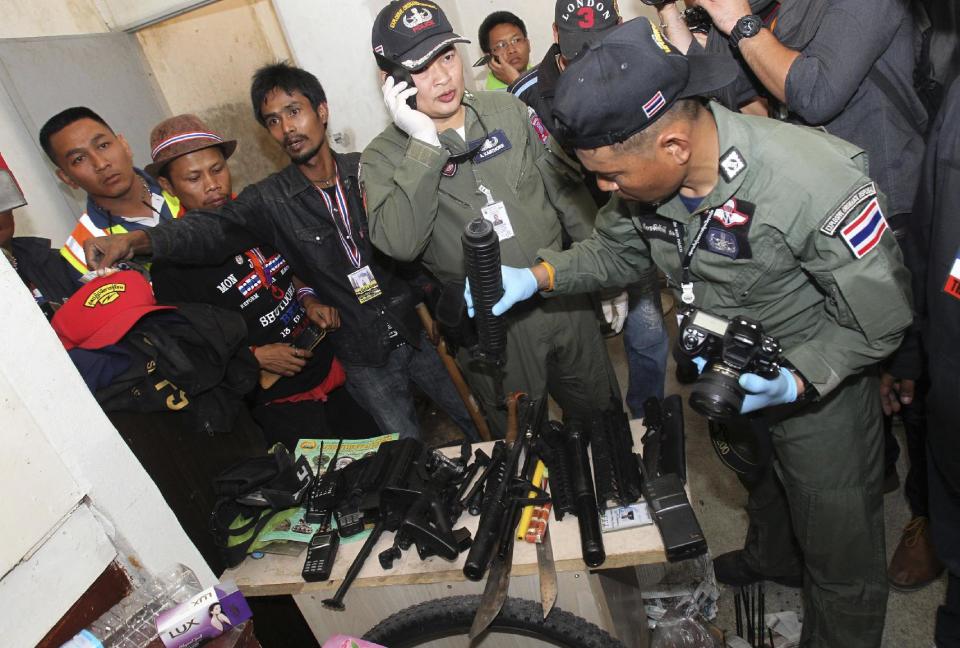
(891, 480)
(914, 564)
(731, 569)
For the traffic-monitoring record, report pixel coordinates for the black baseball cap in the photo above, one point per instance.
(580, 22)
(411, 33)
(624, 82)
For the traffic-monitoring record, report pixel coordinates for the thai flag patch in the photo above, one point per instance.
(864, 232)
(655, 105)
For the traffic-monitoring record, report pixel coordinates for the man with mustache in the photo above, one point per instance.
(300, 389)
(312, 212)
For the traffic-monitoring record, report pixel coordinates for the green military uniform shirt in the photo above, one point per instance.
(419, 202)
(775, 250)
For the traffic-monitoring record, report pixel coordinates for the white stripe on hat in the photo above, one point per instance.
(184, 137)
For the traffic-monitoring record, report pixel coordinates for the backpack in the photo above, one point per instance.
(250, 494)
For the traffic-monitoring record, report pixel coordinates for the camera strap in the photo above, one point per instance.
(686, 258)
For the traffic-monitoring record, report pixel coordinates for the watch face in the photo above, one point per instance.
(749, 26)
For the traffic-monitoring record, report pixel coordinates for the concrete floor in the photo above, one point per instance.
(719, 499)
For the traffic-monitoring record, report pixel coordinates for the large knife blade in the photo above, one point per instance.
(495, 592)
(547, 573)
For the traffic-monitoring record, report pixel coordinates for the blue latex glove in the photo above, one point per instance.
(518, 284)
(766, 393)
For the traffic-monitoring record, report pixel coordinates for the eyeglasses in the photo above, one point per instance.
(502, 45)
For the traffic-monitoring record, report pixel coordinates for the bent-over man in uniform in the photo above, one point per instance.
(750, 216)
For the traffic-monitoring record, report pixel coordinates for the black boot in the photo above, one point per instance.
(732, 569)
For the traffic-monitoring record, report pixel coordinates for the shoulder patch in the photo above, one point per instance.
(732, 164)
(952, 287)
(538, 126)
(864, 231)
(847, 207)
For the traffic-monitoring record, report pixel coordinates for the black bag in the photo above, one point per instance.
(250, 493)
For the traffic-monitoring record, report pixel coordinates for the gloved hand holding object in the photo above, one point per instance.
(412, 122)
(767, 393)
(615, 311)
(519, 284)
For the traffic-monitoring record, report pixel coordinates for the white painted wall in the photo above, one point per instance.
(332, 39)
(45, 408)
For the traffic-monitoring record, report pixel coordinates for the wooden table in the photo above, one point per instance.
(596, 595)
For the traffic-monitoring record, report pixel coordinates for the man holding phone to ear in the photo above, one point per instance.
(503, 40)
(458, 156)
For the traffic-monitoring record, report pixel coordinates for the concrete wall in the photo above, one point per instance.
(48, 214)
(332, 39)
(50, 18)
(203, 61)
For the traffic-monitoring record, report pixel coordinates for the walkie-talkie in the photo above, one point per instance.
(323, 495)
(321, 553)
(322, 550)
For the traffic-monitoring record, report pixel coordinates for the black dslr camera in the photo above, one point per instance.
(698, 20)
(730, 348)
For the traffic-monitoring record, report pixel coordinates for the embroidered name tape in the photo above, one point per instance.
(854, 200)
(495, 144)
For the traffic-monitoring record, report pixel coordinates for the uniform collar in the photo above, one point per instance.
(473, 130)
(734, 165)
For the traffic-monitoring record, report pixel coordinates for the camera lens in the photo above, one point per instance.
(717, 394)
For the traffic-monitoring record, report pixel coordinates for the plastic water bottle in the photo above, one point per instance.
(131, 622)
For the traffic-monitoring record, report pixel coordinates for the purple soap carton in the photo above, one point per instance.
(204, 616)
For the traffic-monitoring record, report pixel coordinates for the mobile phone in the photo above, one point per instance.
(321, 554)
(309, 338)
(399, 73)
(483, 60)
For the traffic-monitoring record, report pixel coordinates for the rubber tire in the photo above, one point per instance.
(453, 616)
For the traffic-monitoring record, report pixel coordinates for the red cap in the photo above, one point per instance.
(102, 312)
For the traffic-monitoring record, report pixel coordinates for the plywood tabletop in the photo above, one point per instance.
(275, 574)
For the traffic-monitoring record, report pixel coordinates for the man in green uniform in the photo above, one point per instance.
(750, 216)
(459, 156)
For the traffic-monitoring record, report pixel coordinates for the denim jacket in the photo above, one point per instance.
(286, 212)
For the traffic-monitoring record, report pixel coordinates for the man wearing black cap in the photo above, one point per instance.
(848, 66)
(574, 25)
(456, 157)
(759, 218)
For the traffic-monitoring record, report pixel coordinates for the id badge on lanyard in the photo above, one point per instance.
(364, 283)
(496, 212)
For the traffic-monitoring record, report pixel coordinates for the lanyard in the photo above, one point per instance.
(341, 220)
(686, 283)
(264, 273)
